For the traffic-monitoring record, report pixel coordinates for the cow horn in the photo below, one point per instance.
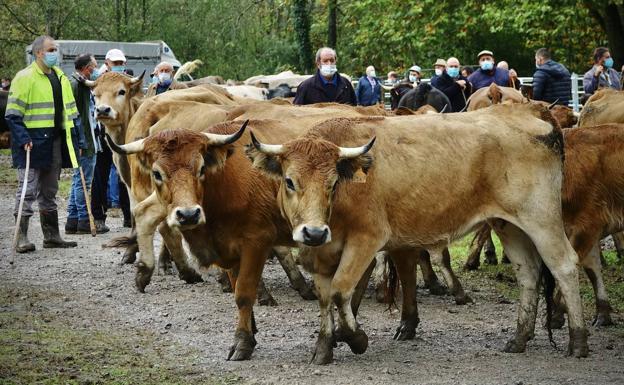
(222, 140)
(81, 79)
(444, 108)
(125, 149)
(135, 80)
(353, 152)
(550, 106)
(269, 149)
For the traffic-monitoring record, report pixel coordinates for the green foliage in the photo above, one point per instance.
(241, 38)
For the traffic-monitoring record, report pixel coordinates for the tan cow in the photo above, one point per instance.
(494, 94)
(604, 106)
(426, 182)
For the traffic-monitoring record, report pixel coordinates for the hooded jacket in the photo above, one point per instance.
(551, 82)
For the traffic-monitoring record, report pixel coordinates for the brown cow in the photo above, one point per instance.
(494, 94)
(225, 210)
(427, 182)
(604, 106)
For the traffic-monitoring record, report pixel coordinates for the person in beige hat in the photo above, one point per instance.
(448, 80)
(488, 73)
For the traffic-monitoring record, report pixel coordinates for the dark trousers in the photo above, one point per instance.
(99, 188)
(124, 200)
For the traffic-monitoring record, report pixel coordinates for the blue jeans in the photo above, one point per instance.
(113, 187)
(77, 205)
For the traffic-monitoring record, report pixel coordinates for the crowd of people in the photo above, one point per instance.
(52, 119)
(551, 79)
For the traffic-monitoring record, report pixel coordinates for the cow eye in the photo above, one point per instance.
(290, 184)
(157, 176)
(334, 186)
(122, 92)
(202, 170)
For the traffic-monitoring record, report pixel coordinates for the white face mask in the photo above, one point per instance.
(372, 74)
(164, 78)
(328, 69)
(438, 72)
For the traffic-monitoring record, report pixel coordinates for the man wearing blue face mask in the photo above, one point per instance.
(602, 74)
(115, 61)
(448, 80)
(164, 80)
(42, 115)
(488, 73)
(326, 85)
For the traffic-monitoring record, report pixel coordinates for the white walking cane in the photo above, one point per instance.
(20, 206)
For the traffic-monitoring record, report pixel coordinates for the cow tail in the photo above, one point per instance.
(122, 241)
(549, 291)
(392, 288)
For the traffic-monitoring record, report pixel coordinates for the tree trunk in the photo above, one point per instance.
(332, 8)
(302, 29)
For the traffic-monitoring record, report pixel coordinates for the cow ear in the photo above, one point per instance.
(348, 167)
(267, 163)
(215, 157)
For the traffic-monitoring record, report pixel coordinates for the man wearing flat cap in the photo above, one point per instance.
(488, 73)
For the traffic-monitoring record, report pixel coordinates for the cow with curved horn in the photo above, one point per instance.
(396, 198)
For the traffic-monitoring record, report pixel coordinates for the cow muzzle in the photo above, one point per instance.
(104, 111)
(312, 235)
(186, 217)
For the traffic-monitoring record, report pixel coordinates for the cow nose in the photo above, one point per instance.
(103, 110)
(315, 236)
(188, 216)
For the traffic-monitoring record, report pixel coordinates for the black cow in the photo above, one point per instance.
(425, 94)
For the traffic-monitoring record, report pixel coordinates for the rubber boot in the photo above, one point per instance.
(23, 244)
(84, 227)
(100, 226)
(71, 226)
(51, 237)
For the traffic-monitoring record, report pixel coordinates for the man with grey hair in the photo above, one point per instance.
(164, 73)
(42, 115)
(326, 85)
(368, 90)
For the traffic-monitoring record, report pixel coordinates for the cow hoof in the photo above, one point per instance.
(357, 340)
(515, 345)
(243, 347)
(190, 276)
(324, 350)
(557, 320)
(578, 343)
(463, 299)
(267, 301)
(308, 294)
(406, 330)
(602, 319)
(490, 258)
(143, 276)
(437, 289)
(128, 258)
(166, 268)
(471, 265)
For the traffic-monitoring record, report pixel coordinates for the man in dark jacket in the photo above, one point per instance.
(551, 81)
(368, 90)
(448, 80)
(326, 85)
(488, 73)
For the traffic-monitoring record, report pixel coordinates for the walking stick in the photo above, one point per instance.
(20, 206)
(88, 202)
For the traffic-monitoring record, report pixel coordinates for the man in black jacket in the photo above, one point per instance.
(449, 80)
(551, 81)
(326, 85)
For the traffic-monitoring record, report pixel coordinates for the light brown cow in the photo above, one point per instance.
(604, 106)
(426, 182)
(494, 94)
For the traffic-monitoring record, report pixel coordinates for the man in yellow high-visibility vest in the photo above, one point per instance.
(41, 113)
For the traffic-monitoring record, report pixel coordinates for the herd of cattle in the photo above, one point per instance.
(240, 179)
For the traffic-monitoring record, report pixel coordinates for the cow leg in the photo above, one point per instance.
(592, 266)
(490, 250)
(557, 320)
(297, 280)
(552, 244)
(250, 271)
(164, 261)
(618, 240)
(474, 255)
(406, 269)
(172, 242)
(148, 213)
(324, 349)
(356, 300)
(522, 253)
(132, 248)
(443, 260)
(224, 281)
(431, 279)
(264, 295)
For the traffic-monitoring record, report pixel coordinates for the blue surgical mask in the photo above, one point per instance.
(487, 65)
(608, 62)
(118, 69)
(452, 72)
(95, 73)
(50, 59)
(413, 78)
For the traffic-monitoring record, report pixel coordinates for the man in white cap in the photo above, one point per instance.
(488, 73)
(414, 75)
(115, 61)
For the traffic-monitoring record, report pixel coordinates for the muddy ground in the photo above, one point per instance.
(74, 316)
